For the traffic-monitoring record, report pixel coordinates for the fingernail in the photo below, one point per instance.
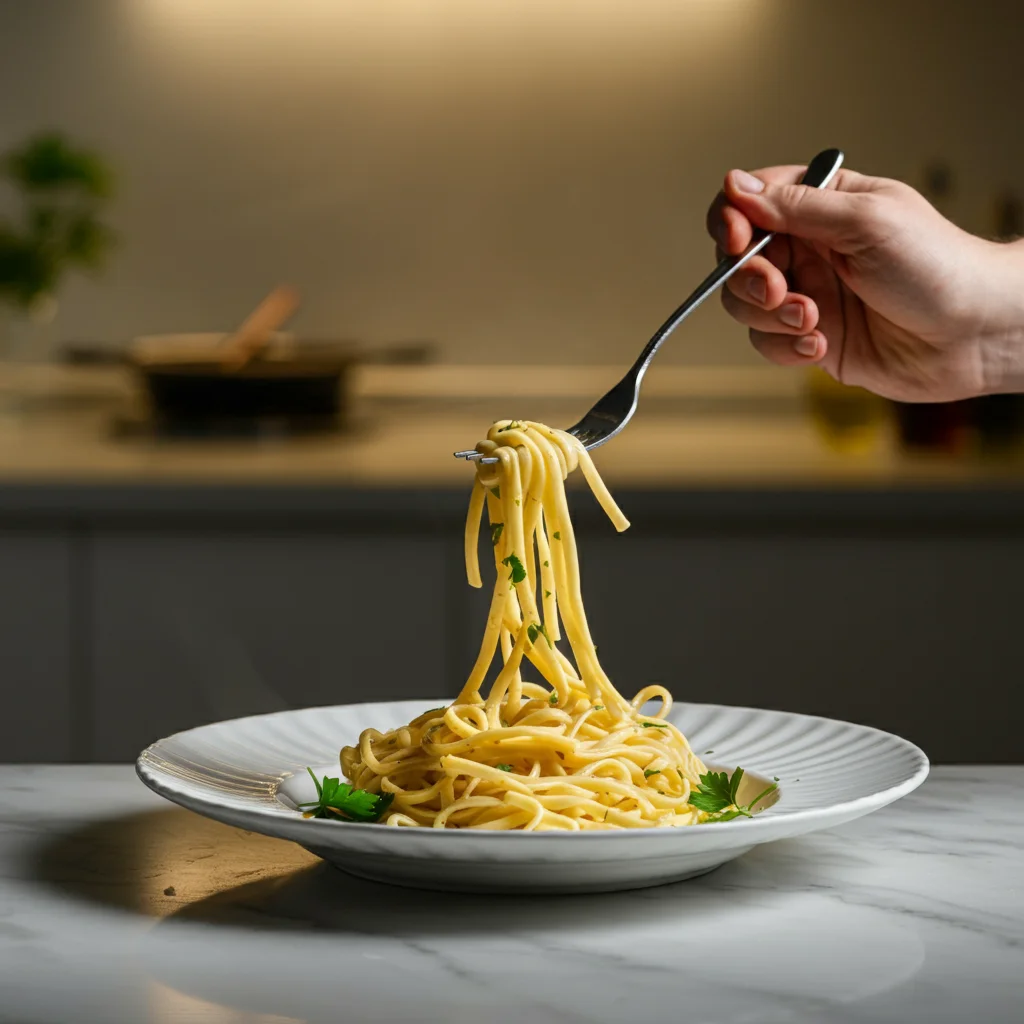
(807, 346)
(747, 182)
(757, 289)
(792, 314)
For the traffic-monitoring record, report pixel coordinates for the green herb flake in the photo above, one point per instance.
(546, 566)
(599, 707)
(775, 777)
(339, 801)
(517, 501)
(708, 751)
(648, 772)
(517, 573)
(513, 425)
(504, 724)
(503, 767)
(557, 535)
(553, 699)
(496, 529)
(496, 491)
(655, 725)
(547, 593)
(536, 629)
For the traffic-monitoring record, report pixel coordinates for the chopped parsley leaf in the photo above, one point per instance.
(338, 800)
(557, 535)
(717, 796)
(503, 767)
(496, 491)
(553, 699)
(648, 772)
(513, 425)
(655, 725)
(599, 707)
(546, 565)
(708, 751)
(518, 573)
(496, 529)
(547, 593)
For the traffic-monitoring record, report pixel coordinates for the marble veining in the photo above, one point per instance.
(116, 907)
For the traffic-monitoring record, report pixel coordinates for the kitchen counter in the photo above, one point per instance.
(697, 427)
(118, 907)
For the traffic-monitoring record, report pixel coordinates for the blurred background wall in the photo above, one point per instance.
(521, 183)
(489, 175)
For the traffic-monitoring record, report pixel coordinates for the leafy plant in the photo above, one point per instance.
(62, 190)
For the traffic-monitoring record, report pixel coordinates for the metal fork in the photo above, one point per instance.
(615, 410)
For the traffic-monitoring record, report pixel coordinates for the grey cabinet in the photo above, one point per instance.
(915, 634)
(142, 614)
(194, 627)
(37, 579)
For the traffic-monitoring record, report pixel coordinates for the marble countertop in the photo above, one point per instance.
(118, 907)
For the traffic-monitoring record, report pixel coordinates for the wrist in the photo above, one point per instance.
(1000, 333)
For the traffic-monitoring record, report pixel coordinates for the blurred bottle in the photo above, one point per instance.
(850, 420)
(944, 428)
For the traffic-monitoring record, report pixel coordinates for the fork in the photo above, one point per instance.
(611, 413)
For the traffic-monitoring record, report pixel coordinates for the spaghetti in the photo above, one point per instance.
(569, 752)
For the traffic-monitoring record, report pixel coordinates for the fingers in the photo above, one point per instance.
(785, 350)
(770, 198)
(843, 221)
(763, 279)
(796, 315)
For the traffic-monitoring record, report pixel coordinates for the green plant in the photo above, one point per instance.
(62, 190)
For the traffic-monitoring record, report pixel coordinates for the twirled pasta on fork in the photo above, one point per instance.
(568, 752)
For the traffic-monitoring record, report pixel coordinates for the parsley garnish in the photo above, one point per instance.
(338, 800)
(547, 593)
(504, 724)
(708, 751)
(496, 529)
(717, 792)
(557, 535)
(517, 501)
(535, 630)
(648, 772)
(518, 573)
(553, 699)
(599, 707)
(503, 767)
(775, 777)
(545, 565)
(514, 425)
(655, 725)
(496, 491)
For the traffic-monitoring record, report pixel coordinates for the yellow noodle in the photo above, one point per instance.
(567, 753)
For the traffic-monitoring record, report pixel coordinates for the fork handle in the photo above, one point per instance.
(820, 171)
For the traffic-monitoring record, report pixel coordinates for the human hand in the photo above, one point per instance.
(867, 279)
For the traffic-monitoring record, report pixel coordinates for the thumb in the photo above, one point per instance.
(837, 219)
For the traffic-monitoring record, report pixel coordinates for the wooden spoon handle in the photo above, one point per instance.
(254, 334)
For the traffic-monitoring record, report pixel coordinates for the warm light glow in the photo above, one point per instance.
(409, 25)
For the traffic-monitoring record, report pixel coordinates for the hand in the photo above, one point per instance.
(869, 280)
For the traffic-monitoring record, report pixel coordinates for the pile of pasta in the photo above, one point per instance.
(565, 752)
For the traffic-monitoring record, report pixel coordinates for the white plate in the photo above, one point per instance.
(251, 773)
